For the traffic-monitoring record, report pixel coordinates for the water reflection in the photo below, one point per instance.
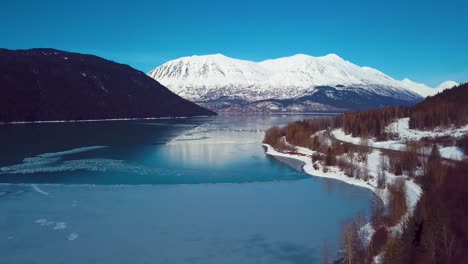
(193, 150)
(213, 148)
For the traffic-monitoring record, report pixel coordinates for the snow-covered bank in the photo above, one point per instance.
(308, 168)
(413, 191)
(400, 128)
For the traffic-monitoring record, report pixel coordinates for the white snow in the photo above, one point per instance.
(401, 126)
(425, 90)
(72, 236)
(454, 153)
(60, 226)
(44, 222)
(418, 88)
(333, 173)
(401, 129)
(213, 76)
(446, 85)
(413, 190)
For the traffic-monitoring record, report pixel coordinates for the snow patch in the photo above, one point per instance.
(454, 153)
(400, 128)
(44, 222)
(60, 226)
(72, 236)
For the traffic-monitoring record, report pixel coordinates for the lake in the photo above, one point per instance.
(191, 190)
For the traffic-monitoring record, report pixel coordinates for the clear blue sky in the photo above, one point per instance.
(423, 40)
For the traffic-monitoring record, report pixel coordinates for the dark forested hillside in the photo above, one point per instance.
(371, 123)
(437, 232)
(48, 84)
(444, 109)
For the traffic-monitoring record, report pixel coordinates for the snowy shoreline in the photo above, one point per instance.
(413, 191)
(308, 168)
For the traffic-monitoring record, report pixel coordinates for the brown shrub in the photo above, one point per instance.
(397, 200)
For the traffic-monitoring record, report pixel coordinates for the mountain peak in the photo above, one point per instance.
(215, 55)
(446, 85)
(301, 56)
(332, 56)
(418, 88)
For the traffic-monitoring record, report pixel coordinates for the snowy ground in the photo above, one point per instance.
(413, 191)
(401, 128)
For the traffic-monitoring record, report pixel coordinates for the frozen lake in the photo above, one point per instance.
(195, 190)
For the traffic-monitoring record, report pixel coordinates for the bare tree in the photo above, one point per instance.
(397, 199)
(378, 210)
(381, 179)
(383, 162)
(348, 238)
(354, 238)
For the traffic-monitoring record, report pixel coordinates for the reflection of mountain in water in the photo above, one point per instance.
(183, 151)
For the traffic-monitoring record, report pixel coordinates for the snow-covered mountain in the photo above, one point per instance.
(425, 90)
(227, 81)
(445, 85)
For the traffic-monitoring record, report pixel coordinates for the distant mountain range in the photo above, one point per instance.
(48, 84)
(299, 83)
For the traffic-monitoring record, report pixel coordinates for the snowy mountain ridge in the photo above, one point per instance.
(217, 77)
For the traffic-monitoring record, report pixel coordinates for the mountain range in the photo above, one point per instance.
(49, 84)
(298, 83)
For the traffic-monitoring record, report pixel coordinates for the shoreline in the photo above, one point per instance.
(308, 169)
(98, 120)
(413, 191)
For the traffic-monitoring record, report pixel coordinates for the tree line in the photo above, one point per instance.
(444, 109)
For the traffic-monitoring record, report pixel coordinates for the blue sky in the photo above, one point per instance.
(423, 40)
